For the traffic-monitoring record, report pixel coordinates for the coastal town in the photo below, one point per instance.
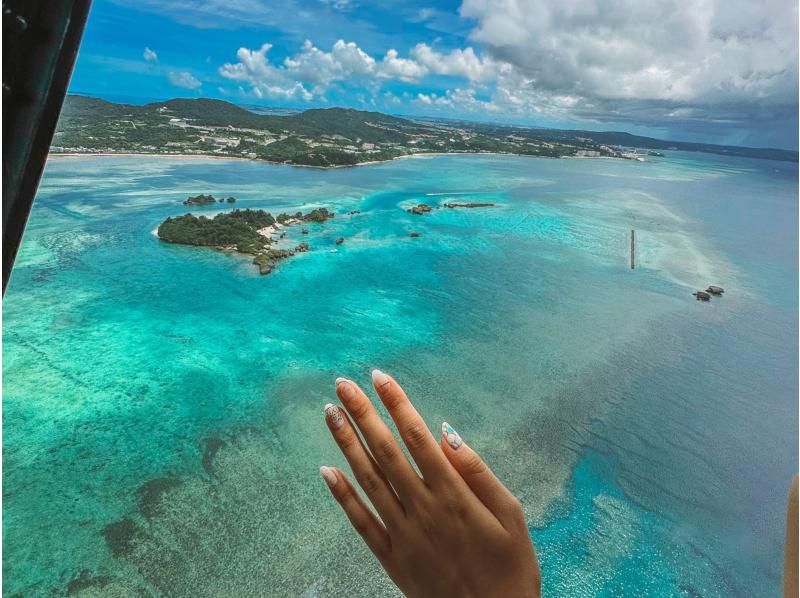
(321, 137)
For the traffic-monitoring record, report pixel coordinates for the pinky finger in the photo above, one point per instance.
(368, 526)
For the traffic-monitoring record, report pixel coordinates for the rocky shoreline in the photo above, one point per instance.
(256, 232)
(249, 232)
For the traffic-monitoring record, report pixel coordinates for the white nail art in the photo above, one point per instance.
(334, 416)
(345, 388)
(379, 379)
(451, 436)
(329, 476)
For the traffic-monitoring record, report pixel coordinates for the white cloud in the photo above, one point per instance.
(394, 67)
(264, 79)
(312, 71)
(183, 79)
(660, 50)
(457, 63)
(339, 4)
(353, 59)
(456, 100)
(678, 66)
(424, 14)
(150, 55)
(320, 68)
(312, 65)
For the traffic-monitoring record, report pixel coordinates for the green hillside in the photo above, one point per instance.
(327, 137)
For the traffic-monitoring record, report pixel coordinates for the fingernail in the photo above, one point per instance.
(329, 476)
(379, 379)
(333, 416)
(345, 387)
(451, 436)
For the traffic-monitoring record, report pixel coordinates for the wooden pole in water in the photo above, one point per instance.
(633, 248)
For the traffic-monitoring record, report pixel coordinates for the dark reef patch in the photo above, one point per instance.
(211, 446)
(119, 536)
(149, 494)
(86, 580)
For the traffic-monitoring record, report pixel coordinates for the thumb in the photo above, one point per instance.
(489, 490)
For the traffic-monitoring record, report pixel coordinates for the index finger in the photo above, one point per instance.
(427, 454)
(379, 438)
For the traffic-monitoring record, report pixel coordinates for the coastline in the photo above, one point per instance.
(367, 163)
(205, 157)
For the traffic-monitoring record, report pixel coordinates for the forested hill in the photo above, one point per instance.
(352, 124)
(327, 137)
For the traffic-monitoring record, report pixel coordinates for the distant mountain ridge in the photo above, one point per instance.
(621, 138)
(333, 136)
(219, 113)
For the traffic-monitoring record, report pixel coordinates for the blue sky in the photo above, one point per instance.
(719, 71)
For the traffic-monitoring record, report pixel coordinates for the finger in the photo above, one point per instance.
(489, 490)
(413, 430)
(381, 442)
(361, 518)
(366, 471)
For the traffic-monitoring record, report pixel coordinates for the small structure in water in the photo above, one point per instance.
(702, 296)
(714, 290)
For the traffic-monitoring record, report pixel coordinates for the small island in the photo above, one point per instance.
(420, 209)
(200, 200)
(249, 232)
(469, 205)
(424, 208)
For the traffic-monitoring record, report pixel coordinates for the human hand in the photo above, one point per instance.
(455, 531)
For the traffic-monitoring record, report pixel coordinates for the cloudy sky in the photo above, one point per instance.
(720, 71)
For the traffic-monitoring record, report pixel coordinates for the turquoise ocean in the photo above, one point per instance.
(162, 405)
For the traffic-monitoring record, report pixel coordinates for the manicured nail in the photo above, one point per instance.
(345, 388)
(329, 476)
(379, 379)
(451, 436)
(333, 416)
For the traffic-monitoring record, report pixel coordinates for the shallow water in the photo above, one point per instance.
(163, 405)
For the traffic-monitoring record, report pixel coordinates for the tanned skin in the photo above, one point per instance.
(790, 555)
(453, 529)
